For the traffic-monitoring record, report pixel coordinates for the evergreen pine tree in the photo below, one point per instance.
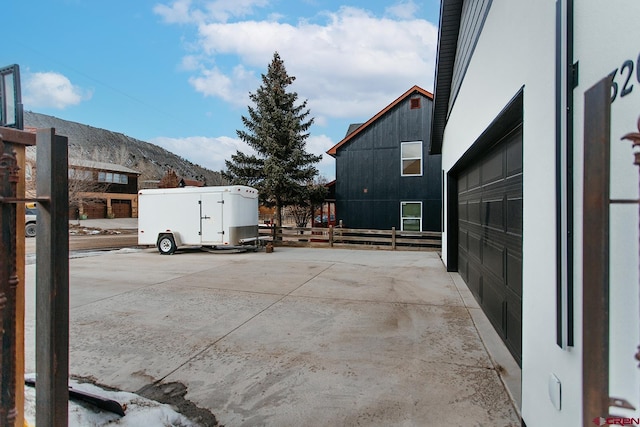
(276, 128)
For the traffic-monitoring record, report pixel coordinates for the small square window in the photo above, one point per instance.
(415, 103)
(411, 153)
(411, 216)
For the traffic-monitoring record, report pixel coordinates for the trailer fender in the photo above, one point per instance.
(167, 243)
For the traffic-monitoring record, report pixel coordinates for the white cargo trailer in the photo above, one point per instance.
(197, 216)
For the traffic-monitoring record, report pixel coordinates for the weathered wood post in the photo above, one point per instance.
(331, 236)
(14, 142)
(52, 281)
(595, 328)
(393, 238)
(8, 284)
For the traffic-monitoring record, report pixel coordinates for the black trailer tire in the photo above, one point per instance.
(30, 229)
(166, 245)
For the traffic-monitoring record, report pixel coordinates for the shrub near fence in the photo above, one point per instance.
(354, 238)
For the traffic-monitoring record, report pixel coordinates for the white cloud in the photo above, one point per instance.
(190, 63)
(207, 152)
(352, 64)
(52, 90)
(403, 10)
(319, 144)
(177, 13)
(184, 12)
(233, 88)
(222, 10)
(212, 152)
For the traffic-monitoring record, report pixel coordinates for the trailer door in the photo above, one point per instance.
(211, 226)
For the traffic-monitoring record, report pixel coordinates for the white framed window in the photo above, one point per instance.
(112, 177)
(411, 216)
(411, 155)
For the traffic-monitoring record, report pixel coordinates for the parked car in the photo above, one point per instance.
(30, 222)
(324, 221)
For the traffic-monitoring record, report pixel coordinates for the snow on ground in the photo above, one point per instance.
(139, 411)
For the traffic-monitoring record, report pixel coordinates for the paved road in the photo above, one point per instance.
(299, 337)
(77, 243)
(80, 243)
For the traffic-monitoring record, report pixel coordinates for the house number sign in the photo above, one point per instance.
(624, 78)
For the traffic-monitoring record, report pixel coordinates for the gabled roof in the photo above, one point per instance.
(352, 128)
(350, 135)
(112, 167)
(450, 15)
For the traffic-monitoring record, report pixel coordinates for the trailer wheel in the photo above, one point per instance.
(166, 245)
(30, 229)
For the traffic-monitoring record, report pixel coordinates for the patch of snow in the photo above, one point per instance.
(139, 410)
(98, 252)
(126, 251)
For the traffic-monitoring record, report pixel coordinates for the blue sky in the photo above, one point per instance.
(178, 73)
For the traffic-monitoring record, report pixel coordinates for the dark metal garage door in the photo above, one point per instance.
(490, 236)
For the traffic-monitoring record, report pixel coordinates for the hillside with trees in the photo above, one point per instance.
(100, 145)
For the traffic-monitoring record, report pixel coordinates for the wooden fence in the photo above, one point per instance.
(352, 238)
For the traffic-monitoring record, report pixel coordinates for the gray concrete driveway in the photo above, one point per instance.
(299, 337)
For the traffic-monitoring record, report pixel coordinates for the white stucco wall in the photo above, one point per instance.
(608, 34)
(517, 48)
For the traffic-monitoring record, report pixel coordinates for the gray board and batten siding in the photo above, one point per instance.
(472, 20)
(369, 183)
(461, 23)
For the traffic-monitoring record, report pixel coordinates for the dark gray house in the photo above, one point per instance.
(385, 176)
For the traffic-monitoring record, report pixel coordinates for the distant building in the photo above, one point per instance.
(326, 215)
(184, 182)
(102, 190)
(385, 176)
